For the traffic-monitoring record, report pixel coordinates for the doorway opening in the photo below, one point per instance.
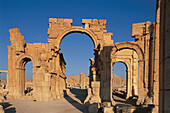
(119, 79)
(28, 78)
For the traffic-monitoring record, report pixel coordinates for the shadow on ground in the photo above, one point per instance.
(79, 94)
(125, 105)
(129, 101)
(8, 108)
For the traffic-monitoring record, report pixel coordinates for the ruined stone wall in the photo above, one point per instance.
(45, 68)
(49, 78)
(74, 81)
(139, 79)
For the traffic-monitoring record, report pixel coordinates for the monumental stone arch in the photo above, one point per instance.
(78, 30)
(49, 72)
(95, 29)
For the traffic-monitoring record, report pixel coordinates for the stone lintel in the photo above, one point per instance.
(88, 21)
(55, 20)
(84, 21)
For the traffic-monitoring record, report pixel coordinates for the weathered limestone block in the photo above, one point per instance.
(96, 92)
(98, 27)
(94, 24)
(17, 40)
(107, 38)
(108, 109)
(140, 29)
(56, 26)
(93, 99)
(42, 83)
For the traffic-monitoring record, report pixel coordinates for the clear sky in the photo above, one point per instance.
(31, 17)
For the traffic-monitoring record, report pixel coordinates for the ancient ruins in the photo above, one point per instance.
(49, 74)
(141, 58)
(80, 81)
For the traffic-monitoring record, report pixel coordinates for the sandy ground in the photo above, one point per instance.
(73, 103)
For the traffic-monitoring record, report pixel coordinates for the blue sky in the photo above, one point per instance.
(31, 17)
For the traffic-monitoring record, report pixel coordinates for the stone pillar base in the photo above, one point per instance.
(148, 101)
(108, 109)
(58, 97)
(139, 101)
(155, 109)
(93, 99)
(93, 108)
(86, 101)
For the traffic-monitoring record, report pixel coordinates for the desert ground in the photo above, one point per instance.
(73, 103)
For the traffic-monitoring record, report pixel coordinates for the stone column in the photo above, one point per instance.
(60, 86)
(106, 82)
(94, 100)
(129, 84)
(57, 87)
(96, 92)
(82, 80)
(22, 80)
(164, 61)
(146, 52)
(33, 78)
(19, 88)
(53, 86)
(135, 78)
(15, 86)
(141, 85)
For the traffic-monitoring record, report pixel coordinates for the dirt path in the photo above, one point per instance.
(70, 104)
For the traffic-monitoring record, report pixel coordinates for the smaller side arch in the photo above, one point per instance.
(20, 73)
(122, 61)
(141, 80)
(19, 61)
(129, 45)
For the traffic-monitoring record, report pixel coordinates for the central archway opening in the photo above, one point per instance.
(119, 80)
(77, 49)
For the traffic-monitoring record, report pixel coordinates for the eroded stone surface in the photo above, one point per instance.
(49, 74)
